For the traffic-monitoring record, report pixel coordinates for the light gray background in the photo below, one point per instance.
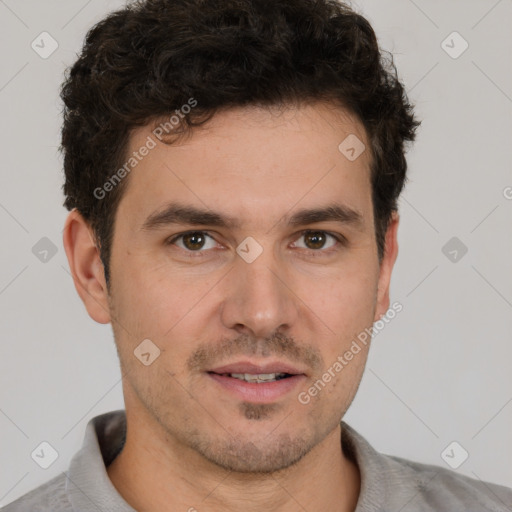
(440, 372)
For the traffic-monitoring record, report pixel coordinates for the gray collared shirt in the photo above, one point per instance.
(388, 484)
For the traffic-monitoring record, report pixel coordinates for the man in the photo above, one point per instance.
(232, 171)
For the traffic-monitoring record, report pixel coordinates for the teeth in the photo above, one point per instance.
(261, 377)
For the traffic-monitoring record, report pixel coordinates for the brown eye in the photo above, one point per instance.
(318, 241)
(194, 241)
(315, 239)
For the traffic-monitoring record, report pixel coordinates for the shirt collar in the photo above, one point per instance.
(89, 487)
(87, 484)
(372, 469)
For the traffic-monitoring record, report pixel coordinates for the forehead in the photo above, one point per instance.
(252, 162)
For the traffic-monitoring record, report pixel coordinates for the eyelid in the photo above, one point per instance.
(171, 240)
(337, 236)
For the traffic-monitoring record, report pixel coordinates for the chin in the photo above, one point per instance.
(268, 455)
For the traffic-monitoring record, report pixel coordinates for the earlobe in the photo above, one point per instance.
(86, 266)
(386, 267)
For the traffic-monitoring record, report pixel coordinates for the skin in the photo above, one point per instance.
(189, 442)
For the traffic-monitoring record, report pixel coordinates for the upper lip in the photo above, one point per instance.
(255, 369)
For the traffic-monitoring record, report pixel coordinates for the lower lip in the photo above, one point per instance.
(265, 392)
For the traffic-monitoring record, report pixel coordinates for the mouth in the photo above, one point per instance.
(258, 378)
(257, 383)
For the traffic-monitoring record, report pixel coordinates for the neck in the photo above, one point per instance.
(159, 474)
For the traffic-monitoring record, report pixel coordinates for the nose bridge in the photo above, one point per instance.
(257, 298)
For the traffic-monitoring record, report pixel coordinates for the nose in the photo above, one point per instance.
(259, 300)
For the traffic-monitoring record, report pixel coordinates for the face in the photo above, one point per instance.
(246, 253)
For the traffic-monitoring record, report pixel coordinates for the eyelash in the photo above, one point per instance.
(342, 241)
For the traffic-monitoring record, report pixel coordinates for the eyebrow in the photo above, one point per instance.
(176, 213)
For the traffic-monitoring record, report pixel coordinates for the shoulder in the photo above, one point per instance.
(49, 497)
(429, 487)
(391, 483)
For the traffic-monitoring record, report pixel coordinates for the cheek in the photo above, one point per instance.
(346, 305)
(344, 300)
(164, 304)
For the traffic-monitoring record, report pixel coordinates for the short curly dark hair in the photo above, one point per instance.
(148, 59)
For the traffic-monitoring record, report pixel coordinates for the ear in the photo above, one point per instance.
(386, 267)
(86, 267)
